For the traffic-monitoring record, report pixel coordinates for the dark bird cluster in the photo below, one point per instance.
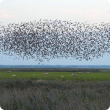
(48, 39)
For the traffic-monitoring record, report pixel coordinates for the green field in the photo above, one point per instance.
(32, 91)
(92, 76)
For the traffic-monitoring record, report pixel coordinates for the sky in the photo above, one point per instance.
(90, 11)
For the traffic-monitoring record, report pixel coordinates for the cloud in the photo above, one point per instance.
(9, 16)
(6, 14)
(108, 11)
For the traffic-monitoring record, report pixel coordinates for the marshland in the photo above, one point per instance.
(30, 90)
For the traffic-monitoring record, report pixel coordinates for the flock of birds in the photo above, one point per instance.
(48, 39)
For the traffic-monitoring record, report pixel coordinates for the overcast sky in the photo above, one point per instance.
(90, 11)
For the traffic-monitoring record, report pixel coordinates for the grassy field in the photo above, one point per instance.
(32, 91)
(54, 95)
(92, 76)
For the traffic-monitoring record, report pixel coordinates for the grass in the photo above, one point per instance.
(54, 95)
(99, 76)
(53, 92)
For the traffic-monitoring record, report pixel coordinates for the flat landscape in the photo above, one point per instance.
(81, 76)
(29, 89)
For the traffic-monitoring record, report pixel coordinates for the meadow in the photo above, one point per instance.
(30, 90)
(92, 76)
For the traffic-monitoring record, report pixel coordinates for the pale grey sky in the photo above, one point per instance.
(90, 11)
